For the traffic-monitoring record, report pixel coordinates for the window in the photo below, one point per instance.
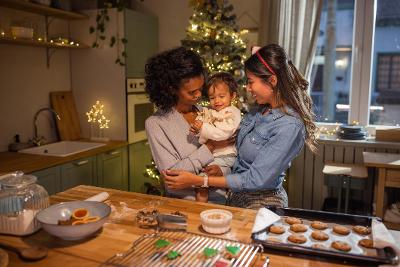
(356, 73)
(385, 89)
(331, 73)
(388, 73)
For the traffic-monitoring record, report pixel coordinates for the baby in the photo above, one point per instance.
(218, 123)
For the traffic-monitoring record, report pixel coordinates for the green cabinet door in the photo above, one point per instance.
(139, 158)
(50, 179)
(112, 169)
(78, 172)
(141, 31)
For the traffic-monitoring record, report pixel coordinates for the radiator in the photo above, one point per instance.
(305, 180)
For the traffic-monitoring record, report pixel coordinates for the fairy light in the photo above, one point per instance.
(194, 27)
(95, 115)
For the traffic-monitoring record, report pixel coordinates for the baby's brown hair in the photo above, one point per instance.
(221, 77)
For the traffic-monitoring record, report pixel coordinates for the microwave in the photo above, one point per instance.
(139, 108)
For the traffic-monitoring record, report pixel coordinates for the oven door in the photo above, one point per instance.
(139, 109)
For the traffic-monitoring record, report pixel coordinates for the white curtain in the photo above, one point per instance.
(294, 25)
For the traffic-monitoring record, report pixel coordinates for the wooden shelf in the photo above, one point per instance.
(41, 9)
(29, 42)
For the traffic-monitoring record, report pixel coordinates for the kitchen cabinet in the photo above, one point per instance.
(112, 169)
(77, 172)
(139, 158)
(50, 179)
(141, 31)
(108, 169)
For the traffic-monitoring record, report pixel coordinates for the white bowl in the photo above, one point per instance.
(21, 32)
(49, 219)
(216, 221)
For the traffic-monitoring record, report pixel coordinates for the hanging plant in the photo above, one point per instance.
(102, 19)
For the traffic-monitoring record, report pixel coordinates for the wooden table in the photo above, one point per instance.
(388, 166)
(118, 235)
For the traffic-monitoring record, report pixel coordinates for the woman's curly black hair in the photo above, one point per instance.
(167, 71)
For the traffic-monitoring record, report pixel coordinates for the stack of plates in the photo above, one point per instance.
(352, 132)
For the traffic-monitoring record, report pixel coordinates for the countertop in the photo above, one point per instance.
(117, 235)
(14, 161)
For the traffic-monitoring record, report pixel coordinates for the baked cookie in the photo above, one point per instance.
(276, 229)
(274, 239)
(319, 225)
(361, 230)
(319, 246)
(341, 230)
(366, 243)
(297, 238)
(298, 227)
(340, 245)
(319, 235)
(292, 220)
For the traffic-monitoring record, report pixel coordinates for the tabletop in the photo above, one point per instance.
(118, 234)
(383, 160)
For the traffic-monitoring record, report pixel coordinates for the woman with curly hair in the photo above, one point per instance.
(270, 135)
(174, 83)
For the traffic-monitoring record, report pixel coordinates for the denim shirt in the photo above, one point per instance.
(266, 145)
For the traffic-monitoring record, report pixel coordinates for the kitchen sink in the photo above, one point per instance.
(62, 149)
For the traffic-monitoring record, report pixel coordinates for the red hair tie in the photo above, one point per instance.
(265, 63)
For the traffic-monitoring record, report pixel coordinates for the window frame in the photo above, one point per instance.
(362, 71)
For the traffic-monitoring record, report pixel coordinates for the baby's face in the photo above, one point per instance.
(220, 96)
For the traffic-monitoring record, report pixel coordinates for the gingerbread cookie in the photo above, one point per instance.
(361, 230)
(340, 245)
(298, 227)
(366, 243)
(276, 229)
(319, 235)
(341, 230)
(297, 238)
(319, 225)
(292, 220)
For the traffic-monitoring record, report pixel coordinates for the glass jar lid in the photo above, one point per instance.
(17, 180)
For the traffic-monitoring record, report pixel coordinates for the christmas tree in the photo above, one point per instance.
(214, 35)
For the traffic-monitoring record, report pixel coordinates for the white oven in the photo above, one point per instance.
(139, 109)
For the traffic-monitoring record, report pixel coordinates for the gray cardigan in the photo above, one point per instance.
(173, 147)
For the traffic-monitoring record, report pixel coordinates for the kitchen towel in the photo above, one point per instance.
(100, 197)
(382, 238)
(264, 218)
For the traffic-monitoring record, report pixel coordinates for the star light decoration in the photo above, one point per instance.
(95, 114)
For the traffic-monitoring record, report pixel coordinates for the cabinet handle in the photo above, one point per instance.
(82, 162)
(112, 153)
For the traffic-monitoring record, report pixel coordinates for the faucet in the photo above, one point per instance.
(37, 141)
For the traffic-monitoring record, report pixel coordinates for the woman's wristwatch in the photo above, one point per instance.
(205, 179)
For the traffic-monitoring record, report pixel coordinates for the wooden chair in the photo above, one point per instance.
(345, 176)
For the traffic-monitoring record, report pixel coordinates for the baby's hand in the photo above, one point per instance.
(196, 126)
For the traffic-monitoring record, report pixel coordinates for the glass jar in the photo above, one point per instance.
(20, 199)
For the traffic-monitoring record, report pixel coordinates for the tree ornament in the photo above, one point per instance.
(239, 73)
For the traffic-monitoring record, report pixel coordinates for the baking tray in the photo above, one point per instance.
(190, 245)
(371, 256)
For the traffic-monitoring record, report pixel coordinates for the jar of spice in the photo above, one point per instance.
(20, 199)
